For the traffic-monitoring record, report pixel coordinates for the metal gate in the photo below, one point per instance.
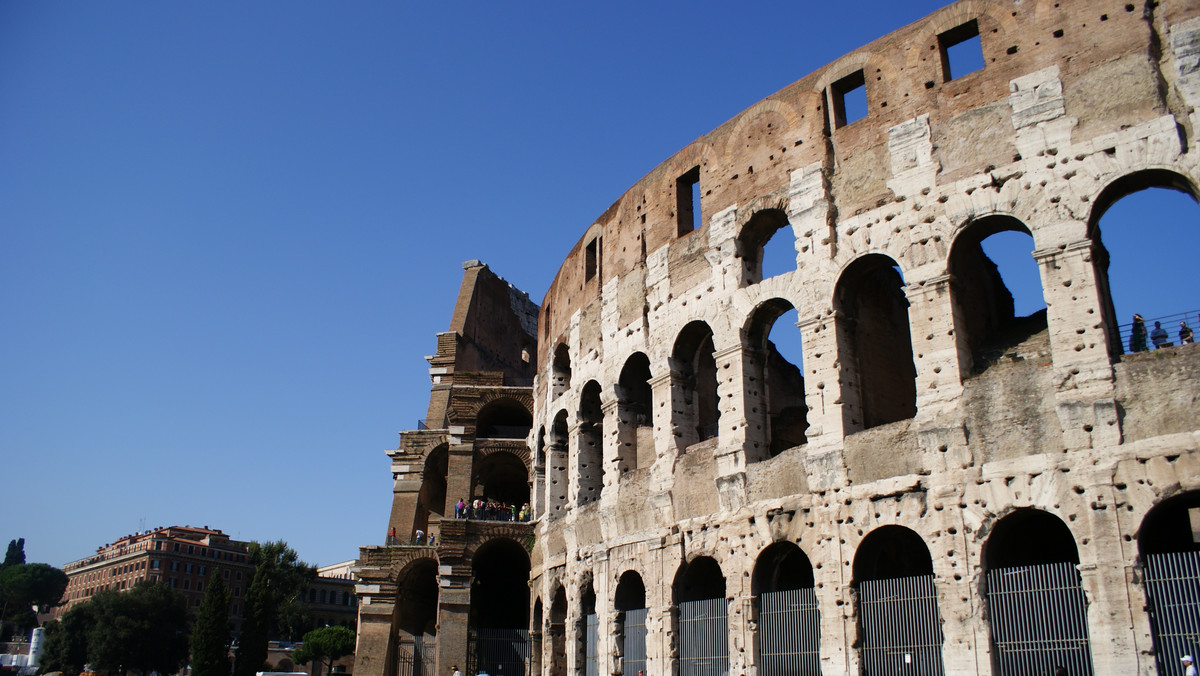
(591, 639)
(1038, 619)
(1173, 589)
(901, 628)
(498, 652)
(412, 658)
(703, 638)
(789, 633)
(635, 642)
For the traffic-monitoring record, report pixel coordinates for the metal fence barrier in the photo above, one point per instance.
(789, 633)
(1173, 590)
(591, 640)
(703, 638)
(498, 652)
(635, 642)
(902, 630)
(412, 658)
(1039, 620)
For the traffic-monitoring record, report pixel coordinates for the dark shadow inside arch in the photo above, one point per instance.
(502, 477)
(557, 630)
(500, 586)
(891, 552)
(1171, 526)
(1029, 537)
(699, 580)
(560, 370)
(503, 419)
(767, 246)
(635, 410)
(556, 467)
(630, 630)
(780, 399)
(631, 592)
(1169, 549)
(875, 344)
(431, 500)
(1145, 229)
(694, 384)
(789, 620)
(998, 302)
(590, 459)
(417, 598)
(781, 567)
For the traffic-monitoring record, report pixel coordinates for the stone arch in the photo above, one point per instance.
(560, 370)
(788, 617)
(874, 343)
(629, 602)
(557, 630)
(503, 416)
(635, 414)
(417, 596)
(699, 592)
(589, 458)
(431, 499)
(896, 603)
(501, 476)
(1169, 555)
(757, 239)
(694, 385)
(1031, 565)
(556, 470)
(1115, 190)
(985, 321)
(499, 606)
(778, 400)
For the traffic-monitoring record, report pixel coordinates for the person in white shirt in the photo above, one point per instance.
(1189, 669)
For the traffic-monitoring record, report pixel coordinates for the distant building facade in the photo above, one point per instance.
(330, 597)
(184, 557)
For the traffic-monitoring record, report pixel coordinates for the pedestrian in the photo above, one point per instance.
(460, 510)
(1060, 670)
(1185, 333)
(455, 667)
(1189, 669)
(1137, 337)
(1158, 336)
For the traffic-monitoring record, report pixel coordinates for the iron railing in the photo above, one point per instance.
(1038, 620)
(414, 657)
(1173, 590)
(1170, 324)
(902, 630)
(704, 638)
(789, 633)
(634, 660)
(591, 641)
(498, 652)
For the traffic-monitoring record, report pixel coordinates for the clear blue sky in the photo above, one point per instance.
(229, 231)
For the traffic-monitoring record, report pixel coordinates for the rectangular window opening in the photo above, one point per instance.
(962, 52)
(849, 99)
(591, 259)
(687, 198)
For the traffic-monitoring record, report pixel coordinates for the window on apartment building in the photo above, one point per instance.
(199, 585)
(687, 202)
(203, 570)
(191, 549)
(187, 584)
(848, 98)
(173, 583)
(226, 574)
(312, 595)
(239, 575)
(176, 546)
(961, 51)
(196, 602)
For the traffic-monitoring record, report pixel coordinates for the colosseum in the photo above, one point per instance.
(633, 479)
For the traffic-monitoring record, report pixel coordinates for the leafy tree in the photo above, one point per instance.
(256, 621)
(325, 645)
(287, 579)
(65, 647)
(144, 629)
(25, 585)
(15, 554)
(210, 633)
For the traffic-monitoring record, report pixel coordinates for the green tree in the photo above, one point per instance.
(25, 585)
(251, 652)
(325, 645)
(15, 554)
(210, 633)
(143, 629)
(287, 579)
(65, 647)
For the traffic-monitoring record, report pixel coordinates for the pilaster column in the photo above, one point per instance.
(937, 349)
(824, 392)
(663, 416)
(735, 375)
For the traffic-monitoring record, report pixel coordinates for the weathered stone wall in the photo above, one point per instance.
(1077, 102)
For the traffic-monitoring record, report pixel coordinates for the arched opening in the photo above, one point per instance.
(789, 623)
(560, 368)
(999, 307)
(539, 474)
(498, 638)
(431, 499)
(416, 616)
(535, 637)
(1031, 563)
(779, 400)
(630, 604)
(1169, 547)
(767, 246)
(501, 481)
(557, 630)
(1144, 230)
(588, 632)
(590, 459)
(899, 626)
(503, 419)
(874, 344)
(556, 483)
(635, 408)
(694, 385)
(703, 632)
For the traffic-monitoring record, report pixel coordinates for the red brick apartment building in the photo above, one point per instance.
(183, 556)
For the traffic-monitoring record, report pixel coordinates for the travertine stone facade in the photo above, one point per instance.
(928, 433)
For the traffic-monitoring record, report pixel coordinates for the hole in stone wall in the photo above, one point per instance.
(849, 98)
(961, 51)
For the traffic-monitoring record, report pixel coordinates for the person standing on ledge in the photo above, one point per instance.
(1137, 338)
(1185, 333)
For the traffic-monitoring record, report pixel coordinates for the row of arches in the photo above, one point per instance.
(1032, 594)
